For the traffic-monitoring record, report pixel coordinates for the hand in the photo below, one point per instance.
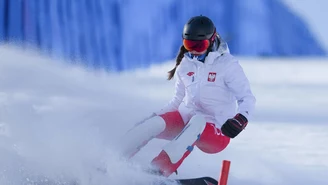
(232, 127)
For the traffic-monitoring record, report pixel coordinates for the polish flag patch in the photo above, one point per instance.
(211, 77)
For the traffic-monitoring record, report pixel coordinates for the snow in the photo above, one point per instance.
(61, 122)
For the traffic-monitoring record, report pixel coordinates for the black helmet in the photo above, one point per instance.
(198, 28)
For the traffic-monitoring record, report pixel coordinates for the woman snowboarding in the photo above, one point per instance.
(212, 102)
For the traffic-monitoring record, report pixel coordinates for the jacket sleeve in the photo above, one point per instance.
(238, 84)
(179, 94)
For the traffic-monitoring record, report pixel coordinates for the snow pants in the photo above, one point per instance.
(183, 137)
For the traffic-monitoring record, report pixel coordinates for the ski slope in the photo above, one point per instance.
(59, 122)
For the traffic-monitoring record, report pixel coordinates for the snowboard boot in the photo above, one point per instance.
(163, 165)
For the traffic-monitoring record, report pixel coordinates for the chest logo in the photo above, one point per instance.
(190, 73)
(211, 77)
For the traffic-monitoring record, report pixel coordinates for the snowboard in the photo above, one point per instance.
(194, 181)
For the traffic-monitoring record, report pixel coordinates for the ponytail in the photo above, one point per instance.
(177, 62)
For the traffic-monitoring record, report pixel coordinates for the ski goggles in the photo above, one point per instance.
(196, 45)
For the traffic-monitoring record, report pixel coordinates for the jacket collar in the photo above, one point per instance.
(200, 58)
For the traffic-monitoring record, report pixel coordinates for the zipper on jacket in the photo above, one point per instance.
(200, 71)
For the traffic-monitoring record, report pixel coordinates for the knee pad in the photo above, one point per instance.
(186, 139)
(197, 120)
(173, 125)
(196, 125)
(153, 126)
(141, 134)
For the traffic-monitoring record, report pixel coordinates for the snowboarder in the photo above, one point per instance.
(212, 102)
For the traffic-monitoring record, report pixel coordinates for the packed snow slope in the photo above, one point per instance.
(60, 122)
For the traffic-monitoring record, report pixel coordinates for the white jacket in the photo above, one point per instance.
(213, 89)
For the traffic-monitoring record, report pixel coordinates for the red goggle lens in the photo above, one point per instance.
(196, 45)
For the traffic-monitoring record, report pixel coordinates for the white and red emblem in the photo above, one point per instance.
(211, 77)
(190, 73)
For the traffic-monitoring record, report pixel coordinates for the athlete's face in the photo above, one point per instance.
(196, 53)
(196, 47)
